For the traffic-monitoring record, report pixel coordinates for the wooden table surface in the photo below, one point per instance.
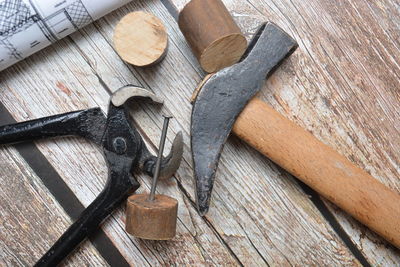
(342, 84)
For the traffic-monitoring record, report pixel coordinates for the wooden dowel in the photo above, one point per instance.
(152, 220)
(213, 35)
(141, 39)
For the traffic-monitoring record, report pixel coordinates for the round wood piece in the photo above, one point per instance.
(153, 220)
(141, 39)
(213, 35)
(223, 52)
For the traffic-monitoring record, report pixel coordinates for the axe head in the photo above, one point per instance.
(224, 96)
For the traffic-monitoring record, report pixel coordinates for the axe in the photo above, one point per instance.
(225, 103)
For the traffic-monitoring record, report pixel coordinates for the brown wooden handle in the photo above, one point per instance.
(321, 168)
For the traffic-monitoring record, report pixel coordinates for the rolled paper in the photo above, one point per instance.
(27, 26)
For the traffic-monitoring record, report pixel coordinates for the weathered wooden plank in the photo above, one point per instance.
(88, 162)
(86, 166)
(331, 88)
(30, 218)
(234, 242)
(244, 188)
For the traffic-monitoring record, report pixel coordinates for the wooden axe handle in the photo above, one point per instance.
(321, 168)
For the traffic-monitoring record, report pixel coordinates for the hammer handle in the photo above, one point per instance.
(322, 168)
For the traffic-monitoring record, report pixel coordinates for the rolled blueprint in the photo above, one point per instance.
(27, 26)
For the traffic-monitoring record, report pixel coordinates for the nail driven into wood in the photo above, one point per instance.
(151, 220)
(151, 216)
(159, 158)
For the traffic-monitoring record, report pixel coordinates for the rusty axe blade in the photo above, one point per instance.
(224, 96)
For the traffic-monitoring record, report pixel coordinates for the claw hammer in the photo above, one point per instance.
(225, 102)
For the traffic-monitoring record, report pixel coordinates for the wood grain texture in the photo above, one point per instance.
(322, 168)
(341, 85)
(85, 160)
(151, 219)
(30, 218)
(234, 241)
(141, 39)
(212, 34)
(259, 214)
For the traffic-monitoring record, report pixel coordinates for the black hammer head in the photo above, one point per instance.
(224, 96)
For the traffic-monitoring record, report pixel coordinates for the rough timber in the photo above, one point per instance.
(342, 84)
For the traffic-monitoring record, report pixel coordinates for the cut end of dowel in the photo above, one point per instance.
(223, 52)
(212, 34)
(141, 39)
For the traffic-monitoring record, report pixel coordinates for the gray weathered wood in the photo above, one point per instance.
(30, 218)
(330, 87)
(259, 215)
